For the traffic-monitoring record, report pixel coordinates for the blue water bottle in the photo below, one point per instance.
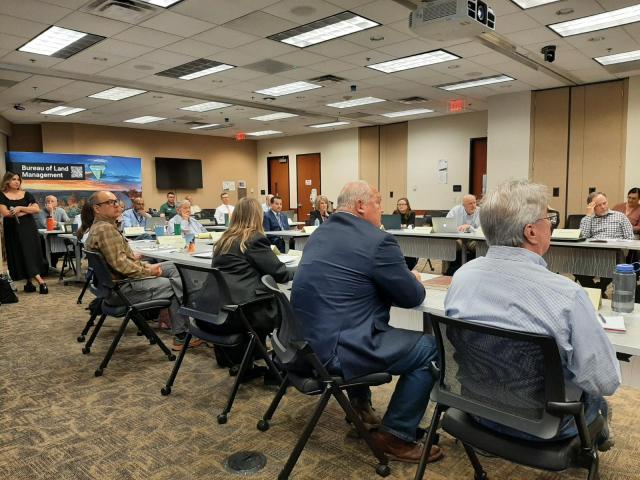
(624, 287)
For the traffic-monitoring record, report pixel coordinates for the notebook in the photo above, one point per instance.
(566, 235)
(444, 225)
(133, 231)
(595, 295)
(613, 323)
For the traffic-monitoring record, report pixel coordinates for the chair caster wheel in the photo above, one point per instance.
(165, 391)
(233, 371)
(171, 357)
(383, 470)
(98, 372)
(152, 342)
(78, 302)
(139, 333)
(86, 350)
(80, 339)
(263, 425)
(481, 476)
(222, 418)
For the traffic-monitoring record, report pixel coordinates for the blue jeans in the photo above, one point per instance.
(593, 406)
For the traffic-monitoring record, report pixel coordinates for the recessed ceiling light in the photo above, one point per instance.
(262, 133)
(288, 88)
(414, 61)
(145, 119)
(195, 69)
(619, 58)
(60, 42)
(274, 116)
(206, 106)
(324, 29)
(476, 83)
(208, 125)
(406, 113)
(613, 18)
(356, 102)
(532, 3)
(162, 3)
(117, 93)
(62, 111)
(330, 124)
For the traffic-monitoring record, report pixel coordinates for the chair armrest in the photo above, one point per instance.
(126, 281)
(576, 409)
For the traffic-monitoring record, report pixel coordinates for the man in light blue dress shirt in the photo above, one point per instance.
(186, 221)
(136, 215)
(466, 215)
(512, 288)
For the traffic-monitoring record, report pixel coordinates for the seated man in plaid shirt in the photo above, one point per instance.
(105, 238)
(603, 224)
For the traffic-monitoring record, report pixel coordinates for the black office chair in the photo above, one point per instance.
(309, 376)
(206, 298)
(573, 221)
(514, 379)
(106, 287)
(68, 258)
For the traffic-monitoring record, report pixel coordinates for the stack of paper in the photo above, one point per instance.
(566, 233)
(613, 323)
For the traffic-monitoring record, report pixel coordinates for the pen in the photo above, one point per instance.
(604, 322)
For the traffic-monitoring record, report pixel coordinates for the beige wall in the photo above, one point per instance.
(632, 164)
(222, 158)
(441, 138)
(509, 133)
(338, 159)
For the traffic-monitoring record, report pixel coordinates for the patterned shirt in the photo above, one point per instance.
(611, 225)
(105, 238)
(511, 288)
(463, 218)
(192, 224)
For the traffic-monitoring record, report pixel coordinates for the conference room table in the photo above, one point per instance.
(627, 343)
(48, 235)
(77, 250)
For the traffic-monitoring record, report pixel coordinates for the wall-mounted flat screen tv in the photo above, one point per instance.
(178, 173)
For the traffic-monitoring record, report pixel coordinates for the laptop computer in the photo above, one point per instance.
(444, 225)
(154, 222)
(420, 222)
(391, 222)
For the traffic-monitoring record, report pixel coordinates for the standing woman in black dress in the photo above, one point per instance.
(24, 254)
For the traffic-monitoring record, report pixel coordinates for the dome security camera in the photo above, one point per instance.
(549, 52)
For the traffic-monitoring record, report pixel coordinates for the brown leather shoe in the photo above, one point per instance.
(403, 451)
(366, 413)
(177, 344)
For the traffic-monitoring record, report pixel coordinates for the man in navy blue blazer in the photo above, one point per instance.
(349, 276)
(274, 220)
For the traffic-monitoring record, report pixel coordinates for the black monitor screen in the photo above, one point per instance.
(178, 173)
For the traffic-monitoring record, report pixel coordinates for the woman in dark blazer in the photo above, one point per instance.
(243, 255)
(321, 213)
(407, 216)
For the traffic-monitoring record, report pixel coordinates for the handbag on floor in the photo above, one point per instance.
(6, 293)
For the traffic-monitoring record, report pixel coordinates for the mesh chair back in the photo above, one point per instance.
(205, 293)
(102, 280)
(573, 221)
(500, 375)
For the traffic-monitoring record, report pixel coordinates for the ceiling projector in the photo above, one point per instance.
(444, 20)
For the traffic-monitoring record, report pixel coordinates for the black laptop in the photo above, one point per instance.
(391, 222)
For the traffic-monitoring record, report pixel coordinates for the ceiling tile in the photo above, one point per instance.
(225, 37)
(384, 36)
(383, 11)
(33, 10)
(84, 22)
(515, 22)
(224, 11)
(147, 36)
(30, 59)
(176, 24)
(532, 35)
(546, 14)
(11, 42)
(336, 48)
(302, 11)
(86, 63)
(111, 46)
(21, 27)
(301, 58)
(193, 48)
(164, 57)
(261, 24)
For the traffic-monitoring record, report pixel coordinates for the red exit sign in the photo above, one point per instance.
(456, 105)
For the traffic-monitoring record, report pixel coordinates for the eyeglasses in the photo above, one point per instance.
(112, 203)
(401, 204)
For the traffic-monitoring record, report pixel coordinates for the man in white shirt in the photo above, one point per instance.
(267, 202)
(223, 208)
(467, 215)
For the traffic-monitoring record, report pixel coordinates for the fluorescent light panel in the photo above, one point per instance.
(274, 116)
(414, 61)
(327, 125)
(60, 42)
(532, 3)
(195, 69)
(263, 133)
(206, 106)
(478, 82)
(208, 125)
(162, 3)
(356, 102)
(614, 18)
(63, 111)
(406, 113)
(145, 119)
(288, 89)
(324, 30)
(619, 58)
(117, 93)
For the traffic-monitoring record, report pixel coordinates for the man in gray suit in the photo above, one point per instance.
(350, 275)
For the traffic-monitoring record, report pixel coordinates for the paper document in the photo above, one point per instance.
(595, 295)
(423, 229)
(287, 259)
(613, 323)
(175, 241)
(133, 230)
(572, 233)
(203, 254)
(309, 229)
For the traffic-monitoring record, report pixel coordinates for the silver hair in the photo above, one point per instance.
(180, 204)
(509, 208)
(353, 192)
(320, 198)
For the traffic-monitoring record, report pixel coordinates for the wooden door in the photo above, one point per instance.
(308, 178)
(478, 167)
(393, 164)
(278, 174)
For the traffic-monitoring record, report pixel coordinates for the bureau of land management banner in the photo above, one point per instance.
(72, 178)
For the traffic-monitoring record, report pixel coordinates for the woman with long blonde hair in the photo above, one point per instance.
(243, 255)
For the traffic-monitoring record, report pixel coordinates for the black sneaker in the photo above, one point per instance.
(43, 289)
(29, 287)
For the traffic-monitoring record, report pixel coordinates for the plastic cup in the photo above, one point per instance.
(177, 228)
(159, 231)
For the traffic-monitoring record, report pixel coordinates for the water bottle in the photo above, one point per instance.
(316, 223)
(624, 287)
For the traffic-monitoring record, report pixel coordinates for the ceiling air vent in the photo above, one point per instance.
(412, 100)
(328, 79)
(46, 101)
(130, 11)
(355, 115)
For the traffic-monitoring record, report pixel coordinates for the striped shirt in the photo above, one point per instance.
(511, 288)
(611, 225)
